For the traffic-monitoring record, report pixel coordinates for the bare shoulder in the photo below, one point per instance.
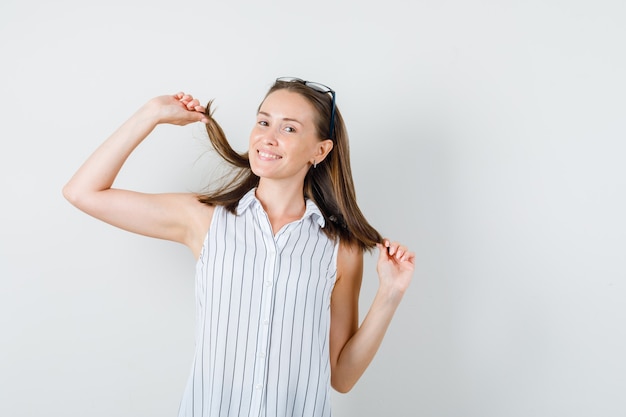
(201, 216)
(349, 262)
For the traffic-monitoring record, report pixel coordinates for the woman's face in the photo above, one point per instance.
(284, 142)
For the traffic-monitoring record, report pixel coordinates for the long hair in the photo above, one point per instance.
(329, 185)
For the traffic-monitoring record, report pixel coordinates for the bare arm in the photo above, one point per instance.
(177, 217)
(352, 347)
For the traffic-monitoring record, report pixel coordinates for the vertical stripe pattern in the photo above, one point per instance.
(263, 317)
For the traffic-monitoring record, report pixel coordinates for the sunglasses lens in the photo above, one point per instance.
(318, 87)
(290, 80)
(313, 85)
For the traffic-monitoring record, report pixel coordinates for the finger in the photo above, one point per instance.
(193, 104)
(186, 98)
(393, 248)
(386, 244)
(408, 257)
(201, 117)
(382, 252)
(403, 253)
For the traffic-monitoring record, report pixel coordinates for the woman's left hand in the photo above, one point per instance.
(395, 265)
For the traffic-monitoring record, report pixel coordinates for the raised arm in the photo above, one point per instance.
(352, 347)
(177, 217)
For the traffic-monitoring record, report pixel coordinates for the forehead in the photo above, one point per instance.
(285, 103)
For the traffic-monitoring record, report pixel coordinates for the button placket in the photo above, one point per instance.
(264, 326)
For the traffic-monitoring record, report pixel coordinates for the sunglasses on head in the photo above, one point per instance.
(321, 88)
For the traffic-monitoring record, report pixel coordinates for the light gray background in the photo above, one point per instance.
(486, 135)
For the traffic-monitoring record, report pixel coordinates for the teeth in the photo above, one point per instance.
(268, 155)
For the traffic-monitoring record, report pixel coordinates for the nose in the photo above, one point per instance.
(269, 137)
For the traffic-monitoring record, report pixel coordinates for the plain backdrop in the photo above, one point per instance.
(489, 136)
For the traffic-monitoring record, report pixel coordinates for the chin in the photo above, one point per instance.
(259, 172)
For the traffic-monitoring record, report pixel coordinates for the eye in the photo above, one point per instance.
(263, 123)
(290, 129)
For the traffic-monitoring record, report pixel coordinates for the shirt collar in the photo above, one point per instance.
(249, 200)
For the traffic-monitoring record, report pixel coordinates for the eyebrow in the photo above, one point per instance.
(288, 119)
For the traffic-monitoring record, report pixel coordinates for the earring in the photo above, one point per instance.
(314, 163)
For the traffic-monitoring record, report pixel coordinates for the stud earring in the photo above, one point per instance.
(314, 163)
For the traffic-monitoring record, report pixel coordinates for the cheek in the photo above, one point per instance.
(254, 136)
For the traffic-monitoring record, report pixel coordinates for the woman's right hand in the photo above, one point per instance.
(178, 109)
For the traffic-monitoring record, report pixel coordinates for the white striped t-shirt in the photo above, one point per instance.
(263, 317)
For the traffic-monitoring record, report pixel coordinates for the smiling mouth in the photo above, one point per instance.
(265, 155)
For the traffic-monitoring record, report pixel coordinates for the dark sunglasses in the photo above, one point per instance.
(319, 88)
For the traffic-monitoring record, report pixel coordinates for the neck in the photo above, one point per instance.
(282, 201)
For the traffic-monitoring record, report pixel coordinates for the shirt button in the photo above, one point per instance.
(262, 354)
(266, 322)
(259, 386)
(268, 283)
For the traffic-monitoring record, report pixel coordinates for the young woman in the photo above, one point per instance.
(279, 253)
